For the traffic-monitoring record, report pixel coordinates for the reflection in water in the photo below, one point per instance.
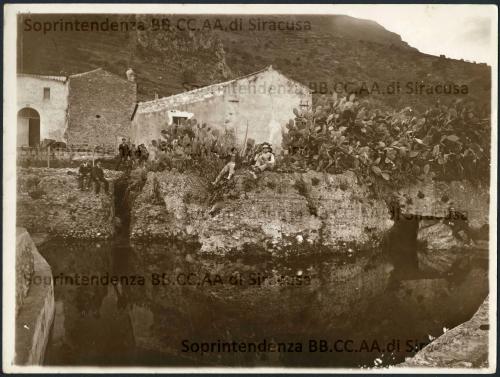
(167, 298)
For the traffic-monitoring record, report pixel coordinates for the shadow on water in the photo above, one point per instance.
(146, 304)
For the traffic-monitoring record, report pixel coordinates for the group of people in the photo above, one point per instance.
(263, 160)
(88, 174)
(129, 154)
(185, 144)
(161, 152)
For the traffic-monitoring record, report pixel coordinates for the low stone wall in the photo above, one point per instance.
(49, 201)
(465, 346)
(36, 311)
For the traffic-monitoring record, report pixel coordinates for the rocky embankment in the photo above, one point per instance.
(452, 220)
(275, 211)
(34, 301)
(49, 201)
(465, 346)
(279, 210)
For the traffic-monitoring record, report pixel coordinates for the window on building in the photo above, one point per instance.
(46, 93)
(178, 120)
(304, 103)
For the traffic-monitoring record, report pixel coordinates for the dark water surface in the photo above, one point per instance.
(352, 302)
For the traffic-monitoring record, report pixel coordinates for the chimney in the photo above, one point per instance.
(130, 75)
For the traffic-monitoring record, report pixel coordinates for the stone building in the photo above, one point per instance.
(87, 109)
(42, 103)
(261, 102)
(100, 105)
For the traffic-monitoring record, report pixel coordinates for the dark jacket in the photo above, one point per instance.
(123, 150)
(142, 152)
(97, 173)
(85, 170)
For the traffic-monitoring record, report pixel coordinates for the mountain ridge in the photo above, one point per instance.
(169, 60)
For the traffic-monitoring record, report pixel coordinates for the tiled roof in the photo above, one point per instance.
(206, 92)
(86, 73)
(46, 77)
(65, 78)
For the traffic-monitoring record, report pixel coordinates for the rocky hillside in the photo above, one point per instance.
(324, 52)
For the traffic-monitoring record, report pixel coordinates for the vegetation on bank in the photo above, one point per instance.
(445, 142)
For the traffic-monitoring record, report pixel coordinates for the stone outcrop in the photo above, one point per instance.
(49, 201)
(279, 210)
(452, 218)
(446, 244)
(432, 198)
(35, 312)
(24, 266)
(275, 211)
(465, 346)
(439, 248)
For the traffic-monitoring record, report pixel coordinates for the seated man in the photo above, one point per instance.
(97, 177)
(84, 175)
(265, 159)
(228, 168)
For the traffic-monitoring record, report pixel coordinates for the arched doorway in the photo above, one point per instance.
(28, 127)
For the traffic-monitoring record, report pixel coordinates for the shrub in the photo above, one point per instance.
(194, 147)
(448, 143)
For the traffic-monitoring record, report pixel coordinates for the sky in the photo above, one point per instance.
(457, 31)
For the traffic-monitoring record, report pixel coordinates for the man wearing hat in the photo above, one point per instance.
(265, 159)
(123, 152)
(97, 176)
(84, 172)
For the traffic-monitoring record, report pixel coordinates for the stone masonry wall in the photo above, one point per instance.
(100, 108)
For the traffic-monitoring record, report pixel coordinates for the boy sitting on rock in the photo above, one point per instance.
(228, 168)
(264, 160)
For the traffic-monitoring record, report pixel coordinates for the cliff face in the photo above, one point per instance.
(277, 212)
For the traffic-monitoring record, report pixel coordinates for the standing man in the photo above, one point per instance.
(98, 177)
(123, 153)
(133, 155)
(142, 154)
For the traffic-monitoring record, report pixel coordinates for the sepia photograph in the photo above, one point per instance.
(250, 188)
